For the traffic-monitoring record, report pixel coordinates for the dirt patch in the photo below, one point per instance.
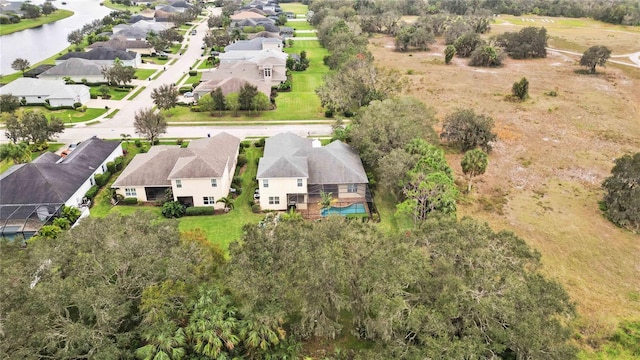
(552, 154)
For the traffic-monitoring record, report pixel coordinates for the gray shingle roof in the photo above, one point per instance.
(101, 53)
(47, 181)
(203, 158)
(335, 163)
(74, 67)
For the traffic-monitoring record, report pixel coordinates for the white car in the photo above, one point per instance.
(188, 94)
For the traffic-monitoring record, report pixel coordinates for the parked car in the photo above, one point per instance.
(193, 32)
(256, 194)
(188, 94)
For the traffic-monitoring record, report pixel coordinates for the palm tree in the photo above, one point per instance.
(326, 199)
(164, 341)
(18, 153)
(227, 201)
(213, 326)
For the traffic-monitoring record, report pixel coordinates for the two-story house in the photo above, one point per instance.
(198, 175)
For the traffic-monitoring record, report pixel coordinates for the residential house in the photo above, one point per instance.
(229, 85)
(197, 175)
(39, 91)
(75, 69)
(267, 24)
(295, 171)
(271, 70)
(32, 193)
(241, 15)
(141, 47)
(104, 56)
(146, 25)
(265, 34)
(130, 34)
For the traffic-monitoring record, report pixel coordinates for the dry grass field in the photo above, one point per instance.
(544, 175)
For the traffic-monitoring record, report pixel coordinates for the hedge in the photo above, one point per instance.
(91, 193)
(102, 179)
(199, 210)
(130, 201)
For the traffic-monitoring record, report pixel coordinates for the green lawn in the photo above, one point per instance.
(133, 9)
(175, 48)
(115, 94)
(31, 23)
(68, 115)
(301, 35)
(144, 74)
(296, 8)
(154, 60)
(220, 229)
(205, 65)
(300, 25)
(137, 93)
(193, 79)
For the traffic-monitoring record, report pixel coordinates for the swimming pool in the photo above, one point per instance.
(355, 208)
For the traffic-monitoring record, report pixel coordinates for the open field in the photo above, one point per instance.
(296, 8)
(134, 9)
(575, 34)
(544, 175)
(59, 14)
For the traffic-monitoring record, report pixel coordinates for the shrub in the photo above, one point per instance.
(260, 143)
(111, 166)
(242, 160)
(91, 193)
(255, 208)
(179, 141)
(193, 72)
(184, 89)
(130, 201)
(102, 179)
(173, 209)
(237, 181)
(70, 213)
(245, 144)
(118, 162)
(199, 210)
(520, 89)
(137, 143)
(62, 223)
(328, 113)
(49, 231)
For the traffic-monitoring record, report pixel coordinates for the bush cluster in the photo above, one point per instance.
(199, 210)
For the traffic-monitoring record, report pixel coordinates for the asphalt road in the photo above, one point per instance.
(122, 122)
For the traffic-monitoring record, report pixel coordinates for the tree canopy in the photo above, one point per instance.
(529, 42)
(32, 127)
(467, 130)
(622, 197)
(165, 97)
(595, 55)
(390, 124)
(150, 124)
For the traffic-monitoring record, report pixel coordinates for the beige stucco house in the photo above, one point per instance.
(198, 175)
(295, 171)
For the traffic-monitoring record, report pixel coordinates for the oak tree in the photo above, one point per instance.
(150, 124)
(595, 55)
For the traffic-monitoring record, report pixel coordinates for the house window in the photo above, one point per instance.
(299, 182)
(92, 181)
(103, 168)
(179, 184)
(214, 182)
(352, 188)
(274, 200)
(208, 200)
(265, 183)
(267, 72)
(130, 192)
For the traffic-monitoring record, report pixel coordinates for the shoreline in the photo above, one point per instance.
(33, 23)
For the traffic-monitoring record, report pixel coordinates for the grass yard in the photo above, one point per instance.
(116, 92)
(220, 229)
(133, 9)
(193, 79)
(544, 174)
(141, 89)
(24, 24)
(206, 65)
(155, 60)
(296, 8)
(144, 74)
(302, 35)
(300, 25)
(67, 115)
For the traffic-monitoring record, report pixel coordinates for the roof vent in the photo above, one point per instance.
(316, 143)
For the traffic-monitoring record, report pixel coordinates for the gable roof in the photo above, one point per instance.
(203, 158)
(74, 67)
(335, 163)
(101, 53)
(32, 87)
(121, 43)
(233, 84)
(51, 179)
(245, 15)
(131, 33)
(265, 34)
